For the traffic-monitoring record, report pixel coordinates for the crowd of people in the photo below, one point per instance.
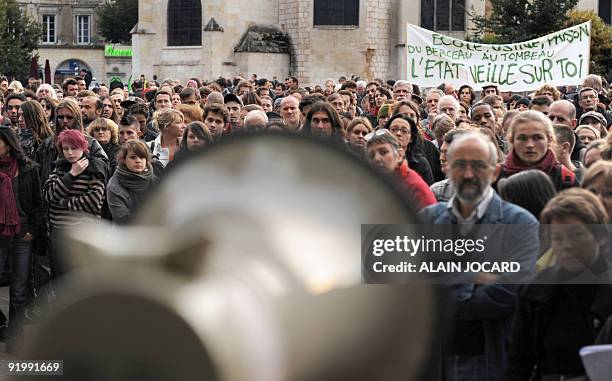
(70, 154)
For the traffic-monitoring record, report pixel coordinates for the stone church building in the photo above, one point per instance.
(311, 39)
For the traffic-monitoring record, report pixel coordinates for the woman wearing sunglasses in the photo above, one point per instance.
(68, 117)
(106, 132)
(386, 153)
(48, 105)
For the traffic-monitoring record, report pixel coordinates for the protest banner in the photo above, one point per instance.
(560, 58)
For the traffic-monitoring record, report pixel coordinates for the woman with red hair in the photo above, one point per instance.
(76, 187)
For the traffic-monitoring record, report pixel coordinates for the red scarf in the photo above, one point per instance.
(10, 225)
(374, 111)
(513, 164)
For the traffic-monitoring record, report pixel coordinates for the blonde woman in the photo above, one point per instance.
(531, 137)
(46, 90)
(106, 132)
(171, 124)
(356, 132)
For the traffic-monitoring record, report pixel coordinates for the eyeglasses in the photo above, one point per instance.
(101, 129)
(478, 166)
(402, 130)
(601, 192)
(66, 117)
(380, 132)
(588, 97)
(450, 110)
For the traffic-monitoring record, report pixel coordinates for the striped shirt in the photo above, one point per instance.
(73, 200)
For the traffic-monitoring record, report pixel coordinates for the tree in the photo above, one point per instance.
(19, 37)
(520, 20)
(116, 19)
(601, 40)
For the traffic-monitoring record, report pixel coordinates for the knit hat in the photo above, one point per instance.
(523, 101)
(277, 102)
(595, 115)
(590, 128)
(115, 84)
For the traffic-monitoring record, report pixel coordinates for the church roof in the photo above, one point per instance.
(263, 39)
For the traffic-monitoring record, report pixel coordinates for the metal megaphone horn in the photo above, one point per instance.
(243, 263)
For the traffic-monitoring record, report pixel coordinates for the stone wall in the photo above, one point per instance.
(381, 40)
(322, 52)
(589, 4)
(265, 65)
(373, 49)
(116, 67)
(216, 55)
(291, 17)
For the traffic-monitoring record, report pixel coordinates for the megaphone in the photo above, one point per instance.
(242, 263)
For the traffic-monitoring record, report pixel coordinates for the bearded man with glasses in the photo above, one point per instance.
(485, 304)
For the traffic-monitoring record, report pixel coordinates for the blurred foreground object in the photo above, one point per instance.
(242, 264)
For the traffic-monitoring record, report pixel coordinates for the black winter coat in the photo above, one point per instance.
(538, 310)
(30, 198)
(46, 155)
(432, 154)
(420, 165)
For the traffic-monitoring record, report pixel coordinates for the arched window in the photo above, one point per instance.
(184, 23)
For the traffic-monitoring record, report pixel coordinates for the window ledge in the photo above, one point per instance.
(183, 47)
(336, 27)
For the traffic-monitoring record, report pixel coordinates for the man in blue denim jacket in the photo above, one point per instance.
(477, 347)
